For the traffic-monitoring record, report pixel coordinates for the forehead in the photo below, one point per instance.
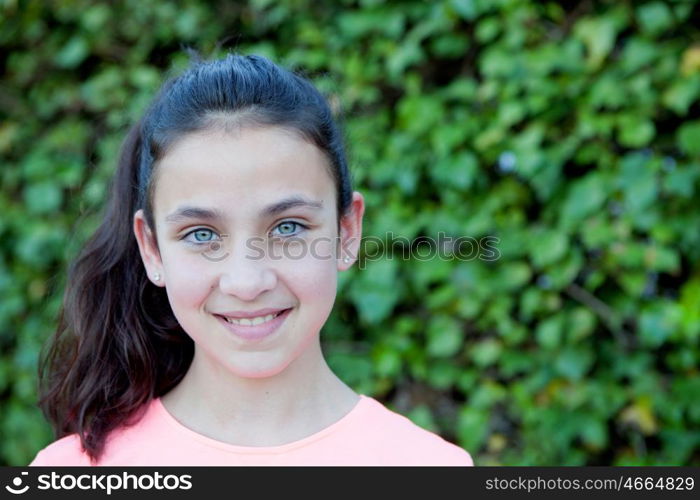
(241, 171)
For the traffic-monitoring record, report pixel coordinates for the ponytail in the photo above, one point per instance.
(118, 343)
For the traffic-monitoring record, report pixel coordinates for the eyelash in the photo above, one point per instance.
(299, 224)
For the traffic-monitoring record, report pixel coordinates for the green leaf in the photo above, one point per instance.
(486, 352)
(655, 17)
(405, 55)
(689, 305)
(682, 180)
(681, 94)
(573, 362)
(443, 374)
(606, 92)
(598, 34)
(445, 336)
(547, 246)
(688, 137)
(663, 259)
(73, 53)
(581, 323)
(634, 131)
(512, 275)
(420, 113)
(422, 416)
(595, 434)
(387, 362)
(458, 171)
(42, 198)
(95, 17)
(585, 197)
(565, 271)
(375, 292)
(487, 29)
(658, 322)
(354, 369)
(41, 245)
(638, 52)
(641, 192)
(549, 332)
(633, 283)
(486, 394)
(472, 427)
(467, 9)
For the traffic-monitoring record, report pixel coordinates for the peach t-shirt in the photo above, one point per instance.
(370, 434)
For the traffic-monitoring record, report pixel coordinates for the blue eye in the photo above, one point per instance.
(201, 231)
(286, 228)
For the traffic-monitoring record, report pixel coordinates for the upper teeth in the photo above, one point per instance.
(251, 321)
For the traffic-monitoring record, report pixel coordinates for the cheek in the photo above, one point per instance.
(188, 281)
(313, 277)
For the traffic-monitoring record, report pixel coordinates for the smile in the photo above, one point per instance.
(255, 329)
(252, 321)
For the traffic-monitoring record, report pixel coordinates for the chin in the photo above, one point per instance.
(259, 372)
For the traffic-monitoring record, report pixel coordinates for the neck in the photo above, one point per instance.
(269, 411)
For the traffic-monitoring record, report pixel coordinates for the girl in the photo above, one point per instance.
(189, 333)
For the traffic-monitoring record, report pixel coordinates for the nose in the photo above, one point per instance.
(245, 273)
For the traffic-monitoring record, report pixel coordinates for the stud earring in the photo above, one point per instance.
(156, 276)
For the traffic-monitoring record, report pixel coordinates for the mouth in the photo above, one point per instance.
(254, 329)
(252, 321)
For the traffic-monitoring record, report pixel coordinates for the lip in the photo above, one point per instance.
(256, 332)
(250, 314)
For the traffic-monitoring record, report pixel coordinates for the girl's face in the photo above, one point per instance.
(246, 221)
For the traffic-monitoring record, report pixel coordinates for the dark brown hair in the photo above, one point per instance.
(118, 344)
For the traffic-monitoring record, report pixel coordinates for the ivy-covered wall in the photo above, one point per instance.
(566, 132)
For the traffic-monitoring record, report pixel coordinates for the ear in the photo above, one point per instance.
(148, 247)
(351, 232)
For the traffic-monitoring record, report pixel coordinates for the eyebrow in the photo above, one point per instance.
(187, 212)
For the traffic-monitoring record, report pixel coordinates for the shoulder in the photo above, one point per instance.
(65, 451)
(408, 442)
(69, 450)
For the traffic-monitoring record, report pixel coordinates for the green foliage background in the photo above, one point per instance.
(569, 130)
